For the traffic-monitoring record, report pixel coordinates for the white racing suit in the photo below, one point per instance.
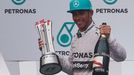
(82, 50)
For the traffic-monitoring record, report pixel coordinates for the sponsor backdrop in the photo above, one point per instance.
(19, 37)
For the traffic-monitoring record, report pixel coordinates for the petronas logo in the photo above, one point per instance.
(110, 1)
(18, 2)
(64, 36)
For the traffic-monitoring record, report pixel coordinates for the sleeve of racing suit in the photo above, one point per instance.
(117, 52)
(66, 63)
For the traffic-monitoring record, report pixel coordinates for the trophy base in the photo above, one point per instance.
(49, 64)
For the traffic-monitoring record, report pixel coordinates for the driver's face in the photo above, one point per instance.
(82, 18)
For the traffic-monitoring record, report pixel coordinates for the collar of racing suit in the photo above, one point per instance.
(79, 33)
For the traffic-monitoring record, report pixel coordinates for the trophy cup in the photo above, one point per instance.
(49, 61)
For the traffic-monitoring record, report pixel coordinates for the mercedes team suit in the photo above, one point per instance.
(82, 50)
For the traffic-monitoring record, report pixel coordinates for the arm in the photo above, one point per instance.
(117, 52)
(66, 64)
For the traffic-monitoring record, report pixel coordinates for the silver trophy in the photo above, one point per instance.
(49, 61)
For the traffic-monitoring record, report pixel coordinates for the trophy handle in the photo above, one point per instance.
(40, 28)
(48, 37)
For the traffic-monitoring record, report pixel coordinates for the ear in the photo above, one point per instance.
(91, 12)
